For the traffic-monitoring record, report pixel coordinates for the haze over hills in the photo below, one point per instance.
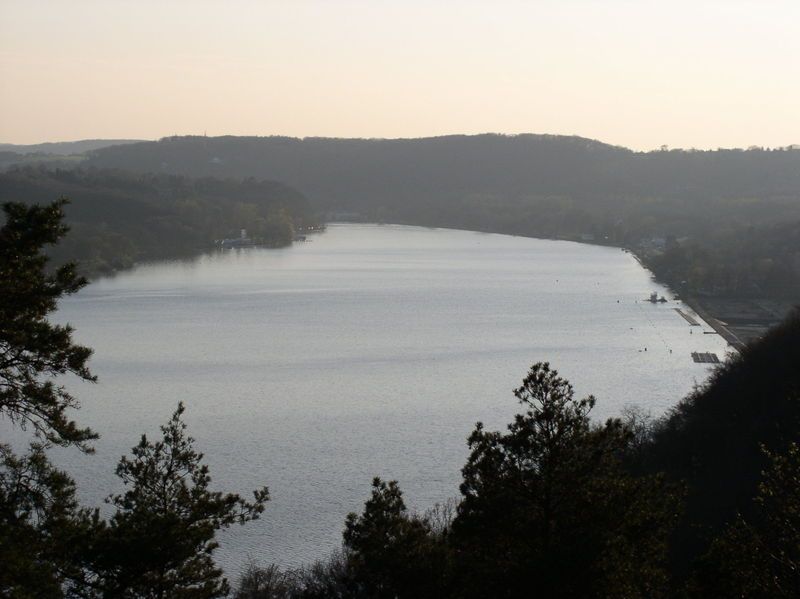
(65, 148)
(722, 223)
(435, 179)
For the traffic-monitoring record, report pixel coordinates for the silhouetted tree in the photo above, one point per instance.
(392, 553)
(41, 525)
(759, 557)
(42, 528)
(548, 509)
(33, 351)
(160, 542)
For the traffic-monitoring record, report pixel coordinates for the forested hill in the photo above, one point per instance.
(729, 219)
(117, 218)
(426, 177)
(65, 148)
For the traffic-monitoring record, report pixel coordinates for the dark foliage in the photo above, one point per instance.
(160, 542)
(328, 579)
(760, 556)
(41, 524)
(550, 501)
(119, 218)
(42, 528)
(33, 351)
(713, 439)
(392, 553)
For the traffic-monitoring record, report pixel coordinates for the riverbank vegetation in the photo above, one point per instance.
(704, 502)
(118, 218)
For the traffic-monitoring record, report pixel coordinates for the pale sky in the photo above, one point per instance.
(638, 73)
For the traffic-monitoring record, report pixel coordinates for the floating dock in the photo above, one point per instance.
(705, 358)
(688, 317)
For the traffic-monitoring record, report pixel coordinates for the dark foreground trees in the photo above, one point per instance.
(550, 501)
(158, 544)
(547, 509)
(33, 351)
(160, 541)
(42, 528)
(714, 439)
(394, 553)
(39, 516)
(759, 556)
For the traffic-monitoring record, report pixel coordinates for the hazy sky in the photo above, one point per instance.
(631, 72)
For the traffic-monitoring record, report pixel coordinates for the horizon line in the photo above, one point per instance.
(664, 147)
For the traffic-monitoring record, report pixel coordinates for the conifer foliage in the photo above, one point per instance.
(550, 500)
(33, 351)
(391, 552)
(41, 524)
(160, 542)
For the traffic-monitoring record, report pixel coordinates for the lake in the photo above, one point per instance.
(370, 350)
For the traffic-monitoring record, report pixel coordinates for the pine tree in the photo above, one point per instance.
(41, 524)
(547, 507)
(34, 351)
(160, 542)
(392, 553)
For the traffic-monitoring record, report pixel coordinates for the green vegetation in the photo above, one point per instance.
(702, 503)
(118, 219)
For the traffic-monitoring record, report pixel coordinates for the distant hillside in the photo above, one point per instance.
(719, 208)
(117, 219)
(461, 180)
(65, 148)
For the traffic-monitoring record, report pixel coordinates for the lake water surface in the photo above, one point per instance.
(370, 350)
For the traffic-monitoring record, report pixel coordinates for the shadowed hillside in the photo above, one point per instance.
(714, 440)
(710, 223)
(65, 148)
(487, 179)
(118, 218)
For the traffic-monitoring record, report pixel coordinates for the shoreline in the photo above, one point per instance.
(719, 327)
(715, 324)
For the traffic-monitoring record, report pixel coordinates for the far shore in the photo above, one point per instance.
(723, 329)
